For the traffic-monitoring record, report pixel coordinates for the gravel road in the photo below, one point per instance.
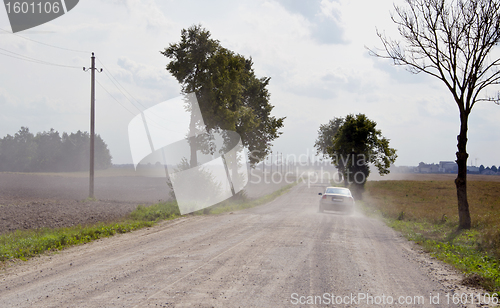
(282, 254)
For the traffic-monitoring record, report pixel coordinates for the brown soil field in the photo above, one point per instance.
(29, 201)
(37, 200)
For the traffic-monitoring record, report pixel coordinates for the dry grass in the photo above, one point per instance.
(426, 211)
(435, 202)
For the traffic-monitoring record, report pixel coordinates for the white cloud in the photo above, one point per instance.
(148, 14)
(143, 75)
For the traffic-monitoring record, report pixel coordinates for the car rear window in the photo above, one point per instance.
(338, 191)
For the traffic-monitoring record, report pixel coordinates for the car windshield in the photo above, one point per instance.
(338, 191)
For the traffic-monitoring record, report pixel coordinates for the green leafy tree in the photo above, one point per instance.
(102, 156)
(451, 40)
(48, 151)
(326, 132)
(8, 148)
(230, 96)
(355, 146)
(76, 150)
(25, 150)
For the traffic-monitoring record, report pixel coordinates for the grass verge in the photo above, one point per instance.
(426, 212)
(24, 244)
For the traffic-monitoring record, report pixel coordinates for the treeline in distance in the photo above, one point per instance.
(51, 152)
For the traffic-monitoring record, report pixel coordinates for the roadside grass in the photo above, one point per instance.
(24, 244)
(29, 243)
(426, 212)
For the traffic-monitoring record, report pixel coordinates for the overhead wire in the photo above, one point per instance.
(33, 60)
(133, 113)
(107, 72)
(53, 46)
(117, 84)
(29, 59)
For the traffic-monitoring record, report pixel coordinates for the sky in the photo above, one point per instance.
(314, 51)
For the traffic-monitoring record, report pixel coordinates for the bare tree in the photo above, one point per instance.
(451, 40)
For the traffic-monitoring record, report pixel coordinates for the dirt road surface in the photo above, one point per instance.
(281, 254)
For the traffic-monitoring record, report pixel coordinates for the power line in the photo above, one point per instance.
(49, 45)
(151, 121)
(133, 113)
(117, 84)
(29, 59)
(109, 75)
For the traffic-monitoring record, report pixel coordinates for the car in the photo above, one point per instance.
(336, 199)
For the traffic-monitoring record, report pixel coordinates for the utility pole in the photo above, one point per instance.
(271, 159)
(92, 123)
(283, 162)
(280, 162)
(277, 163)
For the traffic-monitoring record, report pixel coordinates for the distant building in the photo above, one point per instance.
(471, 169)
(448, 167)
(427, 168)
(442, 167)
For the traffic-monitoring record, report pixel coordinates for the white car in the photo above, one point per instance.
(336, 199)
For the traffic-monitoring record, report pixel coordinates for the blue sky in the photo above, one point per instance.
(313, 51)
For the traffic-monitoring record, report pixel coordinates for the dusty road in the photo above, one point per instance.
(275, 255)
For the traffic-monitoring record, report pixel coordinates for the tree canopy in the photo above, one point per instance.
(49, 152)
(326, 132)
(230, 95)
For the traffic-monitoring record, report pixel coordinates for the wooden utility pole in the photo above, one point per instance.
(271, 158)
(92, 123)
(92, 126)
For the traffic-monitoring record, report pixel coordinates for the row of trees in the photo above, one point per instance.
(488, 170)
(353, 143)
(51, 152)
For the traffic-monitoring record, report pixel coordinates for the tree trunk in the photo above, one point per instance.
(464, 221)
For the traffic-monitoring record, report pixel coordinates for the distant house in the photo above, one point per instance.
(427, 168)
(471, 169)
(448, 167)
(442, 167)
